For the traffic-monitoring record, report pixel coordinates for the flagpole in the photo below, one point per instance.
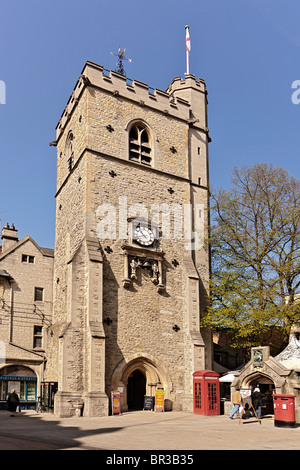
(188, 48)
(187, 63)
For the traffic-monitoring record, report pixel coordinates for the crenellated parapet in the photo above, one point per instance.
(168, 102)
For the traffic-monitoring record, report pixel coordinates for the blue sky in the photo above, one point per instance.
(246, 50)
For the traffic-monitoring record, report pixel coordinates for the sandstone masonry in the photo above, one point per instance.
(26, 279)
(117, 327)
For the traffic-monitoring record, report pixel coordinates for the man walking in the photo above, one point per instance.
(13, 402)
(257, 399)
(237, 402)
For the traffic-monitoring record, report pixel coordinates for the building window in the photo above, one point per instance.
(26, 389)
(37, 336)
(27, 259)
(139, 144)
(38, 294)
(69, 151)
(70, 162)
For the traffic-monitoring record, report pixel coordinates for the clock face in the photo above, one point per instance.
(143, 235)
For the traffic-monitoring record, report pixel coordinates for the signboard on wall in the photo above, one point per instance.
(159, 399)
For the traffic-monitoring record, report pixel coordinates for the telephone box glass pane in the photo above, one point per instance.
(212, 396)
(197, 395)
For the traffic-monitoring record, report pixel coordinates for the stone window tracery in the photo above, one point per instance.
(140, 144)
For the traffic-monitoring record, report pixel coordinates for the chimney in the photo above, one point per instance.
(9, 237)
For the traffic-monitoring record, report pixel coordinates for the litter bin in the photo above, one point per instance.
(284, 410)
(222, 406)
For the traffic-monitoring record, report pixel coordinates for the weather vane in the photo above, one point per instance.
(121, 56)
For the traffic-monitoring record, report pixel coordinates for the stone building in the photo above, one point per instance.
(26, 278)
(131, 265)
(279, 374)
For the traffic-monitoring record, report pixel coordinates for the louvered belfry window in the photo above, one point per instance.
(139, 144)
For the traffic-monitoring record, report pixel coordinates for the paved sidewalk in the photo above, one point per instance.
(143, 430)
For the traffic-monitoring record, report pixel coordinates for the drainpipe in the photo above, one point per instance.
(11, 282)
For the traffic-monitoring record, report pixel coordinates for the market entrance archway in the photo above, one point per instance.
(266, 386)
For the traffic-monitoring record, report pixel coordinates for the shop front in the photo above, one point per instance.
(21, 379)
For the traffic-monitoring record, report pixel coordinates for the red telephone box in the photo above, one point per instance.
(206, 387)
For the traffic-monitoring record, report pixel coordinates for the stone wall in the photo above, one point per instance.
(20, 312)
(140, 319)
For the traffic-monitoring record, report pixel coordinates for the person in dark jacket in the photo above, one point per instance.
(13, 402)
(257, 400)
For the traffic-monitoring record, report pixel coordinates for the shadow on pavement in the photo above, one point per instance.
(39, 432)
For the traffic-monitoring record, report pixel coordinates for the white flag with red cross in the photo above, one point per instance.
(187, 39)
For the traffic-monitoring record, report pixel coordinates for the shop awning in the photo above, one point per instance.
(227, 378)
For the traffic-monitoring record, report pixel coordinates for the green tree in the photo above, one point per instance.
(255, 246)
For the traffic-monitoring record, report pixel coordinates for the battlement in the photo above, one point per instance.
(167, 102)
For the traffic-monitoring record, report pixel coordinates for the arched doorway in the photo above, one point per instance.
(138, 376)
(136, 390)
(266, 386)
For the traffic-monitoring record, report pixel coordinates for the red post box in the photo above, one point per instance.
(284, 410)
(206, 388)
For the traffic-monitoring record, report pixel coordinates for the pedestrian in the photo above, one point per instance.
(236, 401)
(13, 402)
(257, 400)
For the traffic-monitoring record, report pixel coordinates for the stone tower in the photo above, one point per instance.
(131, 263)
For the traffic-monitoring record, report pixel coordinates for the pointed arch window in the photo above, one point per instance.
(69, 153)
(140, 144)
